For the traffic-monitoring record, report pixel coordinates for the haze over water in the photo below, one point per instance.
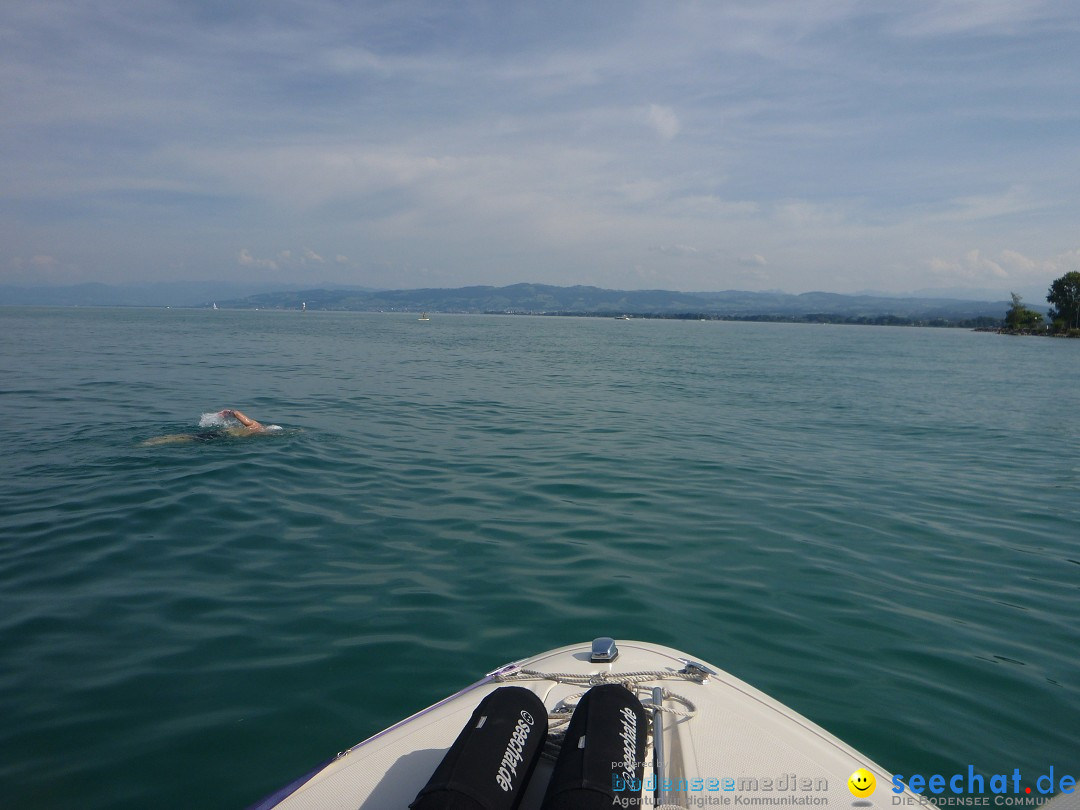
(877, 526)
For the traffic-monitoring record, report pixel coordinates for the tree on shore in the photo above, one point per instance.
(1020, 317)
(1065, 296)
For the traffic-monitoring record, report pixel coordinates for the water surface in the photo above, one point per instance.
(876, 526)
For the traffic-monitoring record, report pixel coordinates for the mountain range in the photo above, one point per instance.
(582, 300)
(525, 299)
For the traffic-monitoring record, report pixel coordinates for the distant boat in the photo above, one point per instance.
(303, 306)
(215, 305)
(622, 317)
(423, 317)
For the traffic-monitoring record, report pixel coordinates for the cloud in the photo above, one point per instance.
(1019, 261)
(753, 260)
(1014, 200)
(247, 260)
(664, 121)
(440, 136)
(1024, 267)
(809, 215)
(286, 259)
(1066, 262)
(40, 263)
(939, 18)
(311, 173)
(41, 268)
(1008, 270)
(1011, 265)
(675, 250)
(972, 266)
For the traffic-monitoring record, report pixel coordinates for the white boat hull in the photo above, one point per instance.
(738, 747)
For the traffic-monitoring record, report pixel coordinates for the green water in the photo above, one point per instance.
(876, 526)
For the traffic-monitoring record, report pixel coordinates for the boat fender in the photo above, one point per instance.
(490, 762)
(602, 758)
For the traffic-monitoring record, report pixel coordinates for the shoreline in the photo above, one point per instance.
(1047, 332)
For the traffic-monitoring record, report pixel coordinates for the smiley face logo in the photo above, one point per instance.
(862, 783)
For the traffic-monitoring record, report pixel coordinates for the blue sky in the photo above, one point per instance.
(842, 146)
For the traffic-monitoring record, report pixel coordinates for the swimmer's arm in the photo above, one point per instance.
(244, 420)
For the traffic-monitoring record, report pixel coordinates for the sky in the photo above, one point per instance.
(829, 145)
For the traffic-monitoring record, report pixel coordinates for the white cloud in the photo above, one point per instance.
(1019, 262)
(936, 18)
(708, 207)
(753, 260)
(1021, 266)
(247, 260)
(676, 250)
(41, 268)
(972, 266)
(1015, 200)
(353, 59)
(1066, 262)
(664, 121)
(287, 259)
(308, 174)
(804, 214)
(1008, 270)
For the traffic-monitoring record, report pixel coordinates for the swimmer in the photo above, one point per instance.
(247, 427)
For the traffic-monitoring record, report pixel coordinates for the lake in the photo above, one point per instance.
(877, 526)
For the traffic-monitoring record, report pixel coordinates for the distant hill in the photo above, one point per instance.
(538, 299)
(161, 294)
(580, 300)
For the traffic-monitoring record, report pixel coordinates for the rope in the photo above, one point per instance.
(560, 715)
(598, 678)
